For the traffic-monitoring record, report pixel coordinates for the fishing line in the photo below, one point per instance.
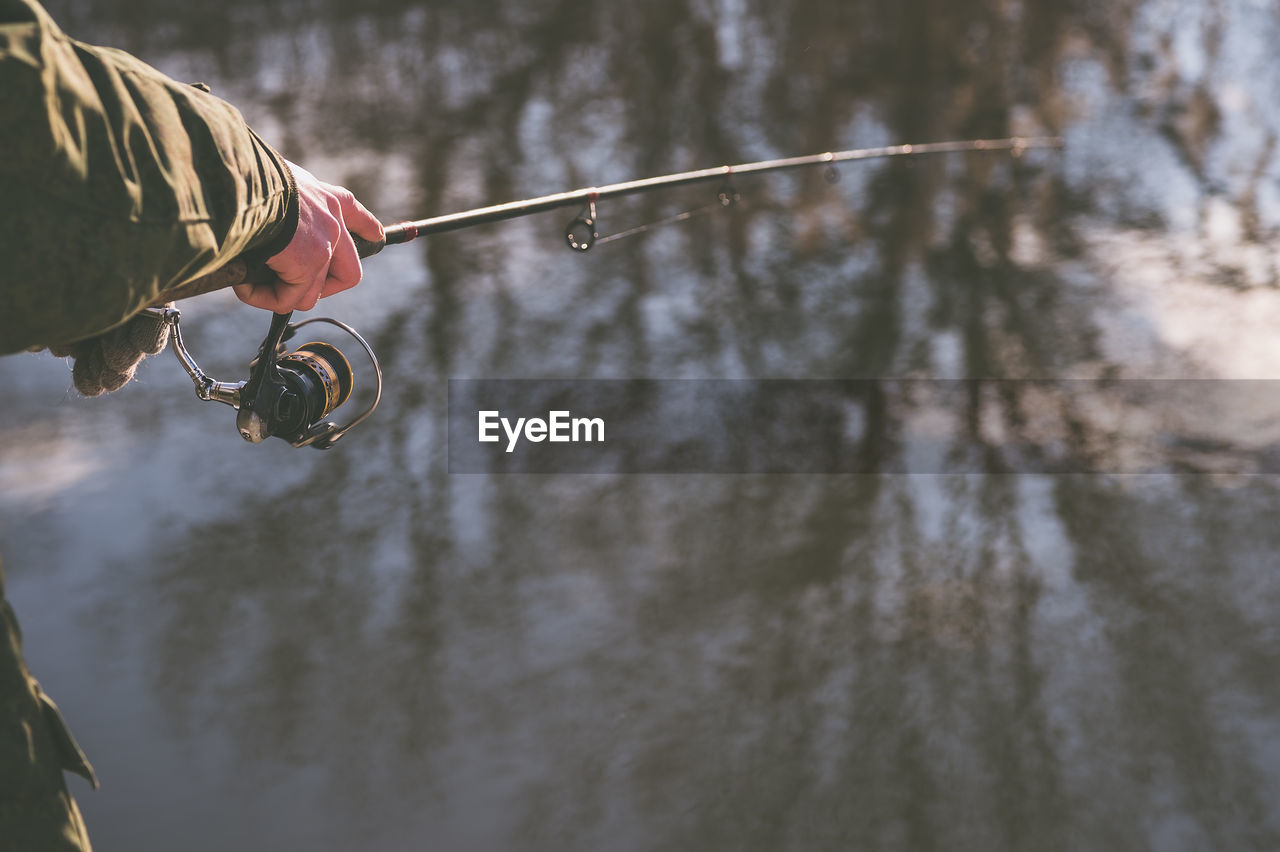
(658, 223)
(726, 197)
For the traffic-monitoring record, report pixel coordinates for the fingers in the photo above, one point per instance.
(307, 298)
(278, 297)
(344, 270)
(258, 295)
(358, 219)
(282, 296)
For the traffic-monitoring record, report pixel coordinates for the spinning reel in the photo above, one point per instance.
(287, 394)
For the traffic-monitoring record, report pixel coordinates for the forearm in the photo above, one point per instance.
(117, 184)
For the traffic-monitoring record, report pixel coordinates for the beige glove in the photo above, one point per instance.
(107, 362)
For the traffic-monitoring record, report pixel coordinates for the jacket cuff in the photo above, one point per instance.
(281, 235)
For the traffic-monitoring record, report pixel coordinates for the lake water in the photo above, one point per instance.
(268, 648)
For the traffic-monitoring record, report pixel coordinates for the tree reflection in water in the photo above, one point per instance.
(910, 662)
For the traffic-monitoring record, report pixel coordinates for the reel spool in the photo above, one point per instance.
(317, 379)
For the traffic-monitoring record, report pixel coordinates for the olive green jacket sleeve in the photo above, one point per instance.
(116, 184)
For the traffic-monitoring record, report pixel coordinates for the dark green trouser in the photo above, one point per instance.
(36, 811)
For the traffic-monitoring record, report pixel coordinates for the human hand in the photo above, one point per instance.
(321, 259)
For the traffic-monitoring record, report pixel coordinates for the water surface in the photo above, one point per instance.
(265, 648)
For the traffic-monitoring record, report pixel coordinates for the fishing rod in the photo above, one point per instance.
(288, 394)
(406, 231)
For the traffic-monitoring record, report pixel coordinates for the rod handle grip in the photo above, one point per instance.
(368, 248)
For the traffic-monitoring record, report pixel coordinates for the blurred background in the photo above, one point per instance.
(268, 648)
